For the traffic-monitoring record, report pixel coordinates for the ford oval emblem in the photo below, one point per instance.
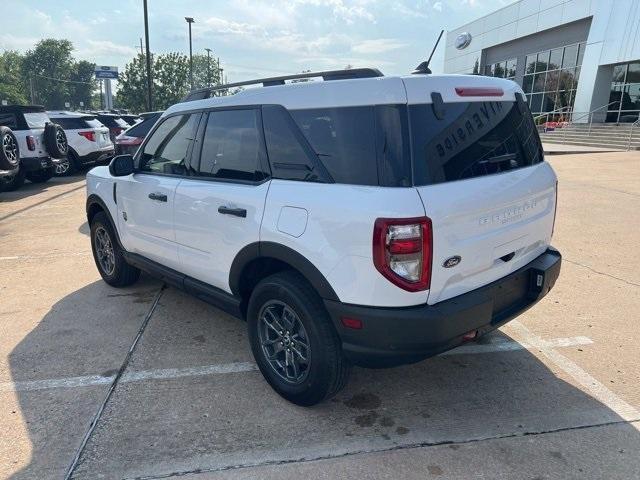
(463, 40)
(452, 261)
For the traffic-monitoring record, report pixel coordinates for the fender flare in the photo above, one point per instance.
(285, 254)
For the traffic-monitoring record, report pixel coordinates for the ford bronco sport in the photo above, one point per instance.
(363, 219)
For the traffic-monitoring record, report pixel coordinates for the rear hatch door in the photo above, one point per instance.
(479, 170)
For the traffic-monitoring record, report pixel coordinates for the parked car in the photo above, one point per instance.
(131, 119)
(129, 140)
(364, 219)
(89, 141)
(114, 123)
(29, 132)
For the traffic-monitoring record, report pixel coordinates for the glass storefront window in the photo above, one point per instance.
(511, 68)
(619, 72)
(542, 63)
(633, 73)
(538, 82)
(555, 61)
(570, 56)
(625, 93)
(581, 48)
(530, 64)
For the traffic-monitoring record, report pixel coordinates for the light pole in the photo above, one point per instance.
(190, 20)
(146, 39)
(208, 66)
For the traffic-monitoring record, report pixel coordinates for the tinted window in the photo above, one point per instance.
(169, 146)
(472, 140)
(76, 123)
(108, 121)
(344, 140)
(36, 119)
(93, 122)
(143, 128)
(393, 146)
(289, 158)
(232, 146)
(8, 120)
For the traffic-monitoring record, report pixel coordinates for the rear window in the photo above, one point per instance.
(8, 120)
(472, 139)
(142, 129)
(77, 123)
(36, 119)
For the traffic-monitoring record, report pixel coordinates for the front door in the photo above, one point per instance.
(219, 210)
(146, 198)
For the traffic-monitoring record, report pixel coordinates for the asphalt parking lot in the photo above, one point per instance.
(148, 382)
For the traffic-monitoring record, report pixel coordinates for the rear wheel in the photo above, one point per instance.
(108, 256)
(12, 182)
(66, 166)
(293, 340)
(40, 176)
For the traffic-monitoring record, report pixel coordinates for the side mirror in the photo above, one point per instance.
(121, 165)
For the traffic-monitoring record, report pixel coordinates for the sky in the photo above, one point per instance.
(252, 38)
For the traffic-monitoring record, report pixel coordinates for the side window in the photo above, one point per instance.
(344, 139)
(232, 147)
(289, 159)
(168, 147)
(8, 120)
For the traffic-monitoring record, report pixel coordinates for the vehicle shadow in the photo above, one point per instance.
(29, 189)
(447, 399)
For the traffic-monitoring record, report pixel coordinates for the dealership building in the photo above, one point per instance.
(582, 55)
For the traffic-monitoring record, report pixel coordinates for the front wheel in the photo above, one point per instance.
(293, 340)
(108, 256)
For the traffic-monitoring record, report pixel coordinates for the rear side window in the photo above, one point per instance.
(8, 120)
(168, 149)
(36, 119)
(144, 127)
(472, 139)
(289, 155)
(76, 123)
(93, 122)
(344, 140)
(232, 147)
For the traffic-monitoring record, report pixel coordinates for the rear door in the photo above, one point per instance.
(479, 169)
(218, 211)
(146, 198)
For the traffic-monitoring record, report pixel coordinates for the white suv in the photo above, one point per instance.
(364, 219)
(88, 139)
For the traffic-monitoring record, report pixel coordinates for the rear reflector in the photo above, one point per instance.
(467, 337)
(479, 92)
(352, 323)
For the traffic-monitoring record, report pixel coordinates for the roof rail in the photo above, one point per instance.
(202, 93)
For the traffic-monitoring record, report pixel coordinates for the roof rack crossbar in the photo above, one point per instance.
(271, 81)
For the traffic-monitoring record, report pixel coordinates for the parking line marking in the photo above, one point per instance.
(495, 345)
(588, 382)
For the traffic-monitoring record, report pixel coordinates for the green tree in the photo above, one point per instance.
(48, 63)
(171, 74)
(132, 91)
(84, 84)
(12, 87)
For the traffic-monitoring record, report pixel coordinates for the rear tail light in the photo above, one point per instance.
(91, 136)
(117, 131)
(555, 210)
(31, 142)
(402, 251)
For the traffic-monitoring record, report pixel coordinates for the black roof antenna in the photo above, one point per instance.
(424, 66)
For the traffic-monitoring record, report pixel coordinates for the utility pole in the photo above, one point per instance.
(190, 20)
(101, 97)
(146, 39)
(208, 66)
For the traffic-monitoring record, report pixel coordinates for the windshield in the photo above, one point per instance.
(36, 119)
(472, 139)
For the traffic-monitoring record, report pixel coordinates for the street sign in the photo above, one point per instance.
(106, 72)
(67, 104)
(82, 104)
(4, 102)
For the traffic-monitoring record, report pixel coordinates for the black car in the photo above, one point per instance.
(114, 123)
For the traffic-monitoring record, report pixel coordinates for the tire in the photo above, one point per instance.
(55, 140)
(326, 371)
(67, 166)
(116, 272)
(9, 149)
(40, 176)
(13, 182)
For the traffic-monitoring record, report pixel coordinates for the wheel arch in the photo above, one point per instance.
(260, 259)
(95, 205)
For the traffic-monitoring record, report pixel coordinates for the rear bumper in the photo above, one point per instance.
(97, 156)
(395, 336)
(31, 164)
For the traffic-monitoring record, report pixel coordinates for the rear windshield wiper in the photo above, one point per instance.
(508, 157)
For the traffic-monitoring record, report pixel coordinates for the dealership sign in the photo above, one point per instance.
(107, 72)
(463, 40)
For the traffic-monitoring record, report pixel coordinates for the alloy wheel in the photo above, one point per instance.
(104, 251)
(62, 166)
(10, 148)
(61, 141)
(284, 342)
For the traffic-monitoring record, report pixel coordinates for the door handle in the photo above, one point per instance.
(161, 197)
(237, 212)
